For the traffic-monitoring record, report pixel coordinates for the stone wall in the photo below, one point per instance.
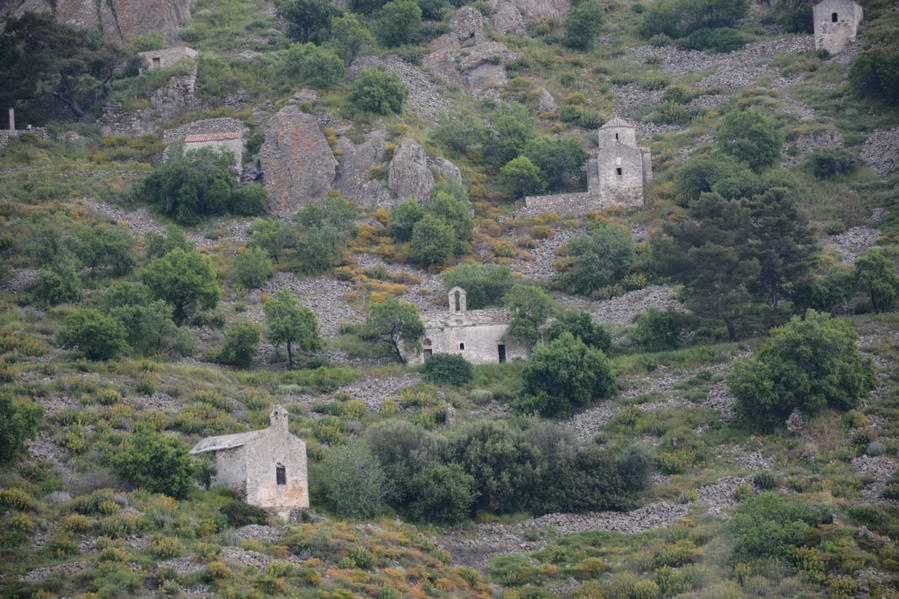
(563, 204)
(832, 35)
(6, 134)
(220, 125)
(230, 470)
(119, 20)
(478, 343)
(233, 145)
(277, 448)
(621, 174)
(163, 59)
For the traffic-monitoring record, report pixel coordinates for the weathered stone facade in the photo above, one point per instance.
(476, 335)
(119, 20)
(297, 162)
(836, 23)
(617, 171)
(230, 141)
(163, 59)
(266, 467)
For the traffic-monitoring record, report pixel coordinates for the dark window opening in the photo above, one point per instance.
(280, 475)
(501, 348)
(618, 171)
(157, 62)
(461, 346)
(616, 136)
(458, 300)
(834, 17)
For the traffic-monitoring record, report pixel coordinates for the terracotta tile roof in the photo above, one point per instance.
(212, 136)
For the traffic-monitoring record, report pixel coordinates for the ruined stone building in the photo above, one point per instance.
(230, 141)
(476, 335)
(266, 467)
(836, 23)
(163, 59)
(617, 171)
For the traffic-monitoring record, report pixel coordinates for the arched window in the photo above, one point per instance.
(458, 300)
(461, 346)
(834, 18)
(616, 136)
(280, 475)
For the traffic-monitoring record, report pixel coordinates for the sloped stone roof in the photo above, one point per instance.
(212, 136)
(618, 122)
(225, 442)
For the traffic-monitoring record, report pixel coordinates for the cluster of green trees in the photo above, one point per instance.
(482, 465)
(526, 162)
(198, 184)
(697, 24)
(310, 244)
(434, 234)
(52, 70)
(599, 261)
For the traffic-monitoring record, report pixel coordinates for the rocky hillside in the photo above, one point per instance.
(386, 163)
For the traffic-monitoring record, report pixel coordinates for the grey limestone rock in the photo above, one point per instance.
(355, 162)
(409, 177)
(447, 170)
(297, 162)
(506, 17)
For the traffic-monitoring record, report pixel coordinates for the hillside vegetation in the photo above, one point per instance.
(711, 404)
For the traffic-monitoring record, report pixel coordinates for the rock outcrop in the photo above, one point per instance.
(409, 177)
(447, 170)
(354, 181)
(119, 20)
(166, 103)
(425, 100)
(543, 8)
(464, 56)
(506, 17)
(297, 161)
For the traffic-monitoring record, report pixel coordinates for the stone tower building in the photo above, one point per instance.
(266, 467)
(836, 22)
(619, 168)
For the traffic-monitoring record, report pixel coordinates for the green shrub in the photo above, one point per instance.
(830, 161)
(403, 219)
(241, 342)
(750, 136)
(252, 268)
(57, 284)
(442, 493)
(239, 513)
(351, 481)
(165, 547)
(582, 24)
(769, 525)
(157, 463)
(563, 376)
(808, 364)
(657, 330)
(97, 336)
(308, 64)
(875, 73)
(484, 284)
(722, 39)
(379, 92)
(215, 571)
(18, 421)
(800, 20)
(397, 21)
(448, 369)
(16, 499)
(765, 480)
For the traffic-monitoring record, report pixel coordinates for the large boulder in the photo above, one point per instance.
(297, 162)
(356, 161)
(119, 20)
(543, 8)
(464, 56)
(448, 170)
(506, 17)
(409, 177)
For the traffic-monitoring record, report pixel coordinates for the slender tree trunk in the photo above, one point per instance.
(72, 104)
(731, 332)
(289, 355)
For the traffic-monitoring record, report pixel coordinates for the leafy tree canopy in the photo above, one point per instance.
(875, 274)
(397, 21)
(42, 60)
(157, 463)
(403, 219)
(379, 92)
(484, 284)
(809, 364)
(396, 323)
(530, 307)
(583, 23)
(308, 64)
(307, 20)
(600, 259)
(96, 335)
(18, 422)
(185, 280)
(290, 323)
(563, 376)
(581, 325)
(751, 137)
(560, 160)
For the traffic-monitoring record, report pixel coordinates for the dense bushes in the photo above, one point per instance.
(200, 183)
(96, 335)
(18, 422)
(158, 463)
(809, 364)
(491, 466)
(183, 279)
(583, 23)
(563, 376)
(379, 92)
(240, 346)
(581, 325)
(875, 73)
(658, 330)
(772, 526)
(600, 259)
(308, 64)
(830, 161)
(351, 481)
(750, 136)
(448, 369)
